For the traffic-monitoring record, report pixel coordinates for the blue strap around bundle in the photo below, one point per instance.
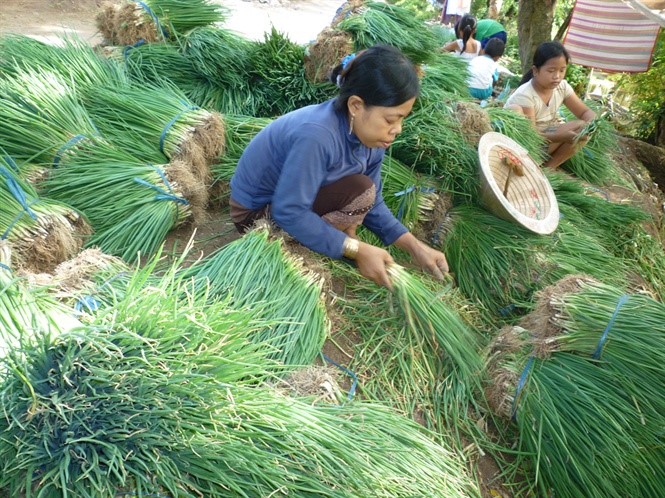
(520, 386)
(18, 194)
(603, 338)
(354, 384)
(87, 302)
(10, 162)
(168, 126)
(69, 143)
(162, 195)
(125, 51)
(161, 28)
(403, 194)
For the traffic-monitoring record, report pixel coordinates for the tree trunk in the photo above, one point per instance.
(492, 9)
(564, 26)
(534, 25)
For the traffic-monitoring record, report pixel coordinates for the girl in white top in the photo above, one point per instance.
(466, 46)
(542, 92)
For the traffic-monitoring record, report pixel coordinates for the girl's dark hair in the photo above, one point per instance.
(380, 75)
(544, 52)
(465, 27)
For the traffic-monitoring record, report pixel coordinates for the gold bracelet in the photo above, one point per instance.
(350, 248)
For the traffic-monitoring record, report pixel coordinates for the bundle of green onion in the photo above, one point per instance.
(131, 205)
(74, 60)
(501, 264)
(104, 412)
(610, 221)
(431, 142)
(278, 77)
(400, 361)
(256, 269)
(25, 311)
(429, 316)
(492, 259)
(163, 117)
(221, 55)
(222, 61)
(593, 162)
(45, 122)
(152, 20)
(410, 196)
(585, 395)
(445, 79)
(153, 63)
(519, 129)
(383, 23)
(43, 232)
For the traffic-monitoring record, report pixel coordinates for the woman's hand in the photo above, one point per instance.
(429, 259)
(372, 262)
(432, 261)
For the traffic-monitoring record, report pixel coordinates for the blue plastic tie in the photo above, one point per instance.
(400, 209)
(163, 30)
(168, 126)
(125, 51)
(16, 190)
(520, 385)
(69, 143)
(587, 152)
(600, 191)
(507, 310)
(162, 195)
(354, 384)
(497, 124)
(18, 194)
(5, 267)
(11, 163)
(599, 349)
(89, 302)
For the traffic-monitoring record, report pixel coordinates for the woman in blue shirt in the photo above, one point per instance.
(316, 171)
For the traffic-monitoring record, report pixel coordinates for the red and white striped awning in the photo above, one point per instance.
(610, 35)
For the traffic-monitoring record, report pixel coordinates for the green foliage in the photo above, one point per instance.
(578, 77)
(645, 94)
(423, 10)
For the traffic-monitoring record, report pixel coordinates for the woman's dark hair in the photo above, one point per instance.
(544, 52)
(380, 75)
(464, 28)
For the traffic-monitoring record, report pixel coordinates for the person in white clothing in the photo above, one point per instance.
(541, 93)
(466, 46)
(484, 70)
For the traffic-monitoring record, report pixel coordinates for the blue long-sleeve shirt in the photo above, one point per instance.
(287, 163)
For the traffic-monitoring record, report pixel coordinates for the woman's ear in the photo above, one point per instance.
(354, 104)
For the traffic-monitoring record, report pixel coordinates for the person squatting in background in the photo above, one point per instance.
(541, 93)
(487, 29)
(316, 171)
(466, 46)
(484, 70)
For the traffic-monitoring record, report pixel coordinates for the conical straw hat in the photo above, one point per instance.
(529, 199)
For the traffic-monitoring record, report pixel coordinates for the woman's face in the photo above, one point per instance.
(550, 74)
(377, 126)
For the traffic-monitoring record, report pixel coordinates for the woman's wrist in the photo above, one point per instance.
(350, 248)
